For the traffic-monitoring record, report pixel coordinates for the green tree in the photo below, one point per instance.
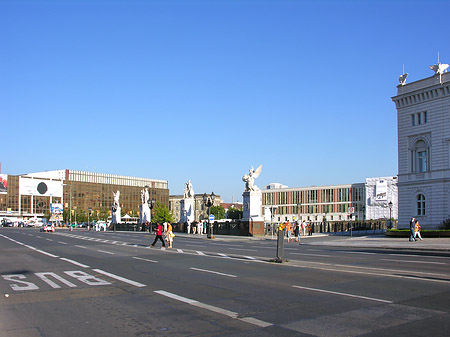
(234, 213)
(162, 214)
(218, 211)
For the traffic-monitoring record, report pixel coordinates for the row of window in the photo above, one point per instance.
(419, 118)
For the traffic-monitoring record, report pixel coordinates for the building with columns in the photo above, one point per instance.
(423, 118)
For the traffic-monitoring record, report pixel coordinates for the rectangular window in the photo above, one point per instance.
(413, 119)
(419, 119)
(425, 117)
(422, 161)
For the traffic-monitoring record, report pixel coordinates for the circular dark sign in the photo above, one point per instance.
(42, 188)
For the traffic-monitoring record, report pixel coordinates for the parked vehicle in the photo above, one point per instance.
(48, 228)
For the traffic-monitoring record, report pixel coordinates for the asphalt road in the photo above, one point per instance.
(86, 283)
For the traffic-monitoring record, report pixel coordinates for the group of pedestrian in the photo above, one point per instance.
(167, 231)
(414, 228)
(199, 227)
(297, 228)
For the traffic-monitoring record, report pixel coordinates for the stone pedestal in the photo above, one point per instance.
(187, 210)
(116, 217)
(145, 214)
(252, 216)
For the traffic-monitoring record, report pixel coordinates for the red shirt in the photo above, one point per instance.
(159, 230)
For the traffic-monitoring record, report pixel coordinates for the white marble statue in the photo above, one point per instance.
(249, 179)
(145, 197)
(188, 190)
(116, 204)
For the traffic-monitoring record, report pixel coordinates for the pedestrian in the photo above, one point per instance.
(200, 227)
(412, 229)
(304, 227)
(194, 228)
(188, 227)
(288, 231)
(309, 229)
(159, 231)
(417, 231)
(297, 231)
(169, 235)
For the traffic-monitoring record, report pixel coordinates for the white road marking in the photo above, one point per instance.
(63, 243)
(180, 250)
(218, 310)
(224, 255)
(212, 272)
(200, 253)
(319, 255)
(139, 258)
(74, 262)
(106, 252)
(80, 246)
(123, 279)
(344, 294)
(410, 261)
(249, 250)
(364, 253)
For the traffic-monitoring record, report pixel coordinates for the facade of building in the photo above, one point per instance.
(318, 204)
(200, 210)
(30, 195)
(423, 118)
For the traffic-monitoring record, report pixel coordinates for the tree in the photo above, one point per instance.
(218, 211)
(162, 214)
(234, 213)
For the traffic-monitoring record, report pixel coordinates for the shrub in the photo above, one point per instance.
(445, 224)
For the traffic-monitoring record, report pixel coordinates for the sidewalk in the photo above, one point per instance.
(357, 241)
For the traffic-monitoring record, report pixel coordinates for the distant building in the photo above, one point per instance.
(32, 194)
(423, 118)
(200, 210)
(334, 203)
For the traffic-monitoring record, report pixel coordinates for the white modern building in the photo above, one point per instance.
(423, 116)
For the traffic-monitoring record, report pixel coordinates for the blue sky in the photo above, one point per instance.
(203, 90)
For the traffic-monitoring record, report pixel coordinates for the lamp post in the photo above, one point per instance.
(151, 205)
(390, 214)
(272, 210)
(208, 201)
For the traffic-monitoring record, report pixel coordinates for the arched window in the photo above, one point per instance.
(420, 157)
(420, 204)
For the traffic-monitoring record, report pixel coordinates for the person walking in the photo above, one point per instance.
(169, 235)
(417, 231)
(297, 231)
(188, 227)
(289, 231)
(412, 229)
(309, 229)
(159, 231)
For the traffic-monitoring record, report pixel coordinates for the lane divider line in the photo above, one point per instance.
(120, 278)
(142, 259)
(228, 313)
(344, 294)
(212, 272)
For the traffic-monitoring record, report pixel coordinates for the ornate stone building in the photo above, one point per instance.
(423, 115)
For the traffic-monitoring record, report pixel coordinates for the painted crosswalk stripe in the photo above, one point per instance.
(200, 253)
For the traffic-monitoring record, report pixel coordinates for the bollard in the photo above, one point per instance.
(280, 243)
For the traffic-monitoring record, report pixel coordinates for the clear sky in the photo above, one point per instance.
(204, 90)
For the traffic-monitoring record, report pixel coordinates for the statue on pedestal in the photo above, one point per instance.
(188, 190)
(145, 212)
(116, 217)
(249, 179)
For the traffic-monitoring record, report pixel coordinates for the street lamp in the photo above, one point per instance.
(208, 201)
(390, 214)
(151, 205)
